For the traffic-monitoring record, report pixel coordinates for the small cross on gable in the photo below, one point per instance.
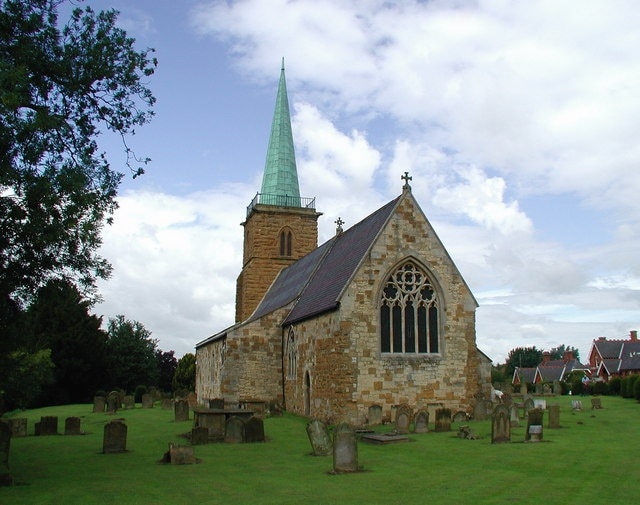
(339, 222)
(406, 178)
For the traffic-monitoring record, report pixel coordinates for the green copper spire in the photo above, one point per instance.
(280, 179)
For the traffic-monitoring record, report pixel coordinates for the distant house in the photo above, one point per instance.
(615, 358)
(549, 370)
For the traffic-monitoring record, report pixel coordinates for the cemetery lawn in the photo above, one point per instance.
(592, 458)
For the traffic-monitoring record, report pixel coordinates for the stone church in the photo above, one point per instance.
(377, 315)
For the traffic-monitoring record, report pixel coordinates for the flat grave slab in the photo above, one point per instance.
(383, 439)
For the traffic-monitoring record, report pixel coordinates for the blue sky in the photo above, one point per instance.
(518, 122)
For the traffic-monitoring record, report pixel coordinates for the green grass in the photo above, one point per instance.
(591, 459)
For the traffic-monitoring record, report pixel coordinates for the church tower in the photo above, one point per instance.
(280, 227)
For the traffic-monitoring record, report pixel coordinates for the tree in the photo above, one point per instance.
(59, 319)
(167, 364)
(131, 359)
(525, 357)
(558, 352)
(185, 376)
(59, 89)
(30, 372)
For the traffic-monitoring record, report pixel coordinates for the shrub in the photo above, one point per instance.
(139, 391)
(636, 390)
(599, 388)
(577, 387)
(614, 386)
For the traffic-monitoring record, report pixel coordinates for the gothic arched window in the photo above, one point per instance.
(292, 355)
(409, 319)
(285, 243)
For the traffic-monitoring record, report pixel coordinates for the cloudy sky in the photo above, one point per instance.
(518, 122)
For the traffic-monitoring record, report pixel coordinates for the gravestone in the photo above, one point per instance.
(48, 425)
(147, 401)
(181, 455)
(99, 404)
(129, 402)
(113, 402)
(528, 405)
(167, 403)
(557, 387)
(467, 433)
(5, 445)
(72, 426)
(539, 403)
(318, 434)
(554, 416)
(534, 425)
(254, 430)
(596, 403)
(215, 403)
(421, 423)
(514, 420)
(500, 425)
(115, 437)
(200, 435)
(460, 417)
(576, 404)
(403, 419)
(345, 449)
(374, 415)
(480, 410)
(18, 426)
(234, 430)
(443, 420)
(181, 410)
(192, 399)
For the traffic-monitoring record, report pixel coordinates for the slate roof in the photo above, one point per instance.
(524, 374)
(630, 356)
(608, 348)
(551, 373)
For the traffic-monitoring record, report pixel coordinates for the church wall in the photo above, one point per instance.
(208, 368)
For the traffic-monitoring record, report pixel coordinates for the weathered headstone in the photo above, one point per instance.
(319, 437)
(72, 426)
(115, 437)
(596, 403)
(99, 403)
(113, 402)
(374, 415)
(18, 426)
(200, 435)
(216, 403)
(539, 403)
(181, 455)
(254, 430)
(443, 420)
(576, 404)
(192, 399)
(129, 401)
(554, 416)
(345, 449)
(460, 417)
(147, 401)
(48, 425)
(166, 403)
(528, 405)
(234, 430)
(514, 420)
(534, 425)
(5, 445)
(557, 387)
(181, 410)
(467, 433)
(500, 425)
(421, 422)
(480, 410)
(403, 419)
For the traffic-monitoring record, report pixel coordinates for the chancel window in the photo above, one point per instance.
(285, 243)
(409, 319)
(292, 355)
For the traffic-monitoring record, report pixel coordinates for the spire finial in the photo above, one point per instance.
(339, 222)
(406, 178)
(282, 67)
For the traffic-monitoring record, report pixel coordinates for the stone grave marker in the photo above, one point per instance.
(216, 403)
(99, 403)
(500, 425)
(514, 420)
(374, 415)
(557, 387)
(166, 404)
(539, 403)
(576, 404)
(129, 402)
(147, 401)
(554, 416)
(318, 434)
(421, 423)
(72, 426)
(460, 417)
(18, 426)
(48, 425)
(181, 455)
(528, 405)
(596, 403)
(467, 433)
(234, 430)
(534, 425)
(192, 399)
(115, 437)
(200, 435)
(113, 402)
(5, 445)
(443, 420)
(345, 449)
(181, 410)
(254, 430)
(403, 418)
(480, 409)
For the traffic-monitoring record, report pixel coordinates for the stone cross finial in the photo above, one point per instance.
(339, 222)
(406, 178)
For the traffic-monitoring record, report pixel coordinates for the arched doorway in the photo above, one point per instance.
(307, 394)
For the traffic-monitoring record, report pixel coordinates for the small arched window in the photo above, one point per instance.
(409, 318)
(285, 242)
(292, 355)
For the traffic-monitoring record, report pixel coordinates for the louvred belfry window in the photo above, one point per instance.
(409, 313)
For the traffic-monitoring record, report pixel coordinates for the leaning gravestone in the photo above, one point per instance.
(345, 449)
(534, 425)
(200, 435)
(181, 410)
(403, 419)
(234, 430)
(374, 416)
(421, 423)
(554, 416)
(5, 444)
(48, 425)
(72, 426)
(113, 402)
(254, 430)
(147, 401)
(500, 425)
(443, 420)
(319, 437)
(115, 437)
(99, 403)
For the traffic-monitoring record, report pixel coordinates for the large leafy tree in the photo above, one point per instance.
(167, 363)
(60, 87)
(526, 357)
(185, 376)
